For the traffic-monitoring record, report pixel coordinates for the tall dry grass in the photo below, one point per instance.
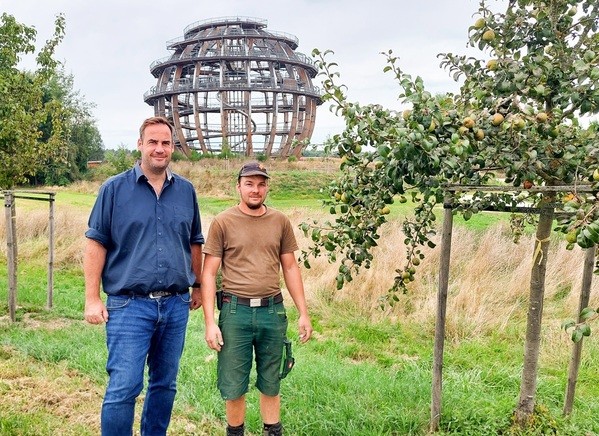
(488, 287)
(216, 178)
(488, 283)
(33, 235)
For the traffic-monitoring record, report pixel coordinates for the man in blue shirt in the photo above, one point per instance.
(144, 247)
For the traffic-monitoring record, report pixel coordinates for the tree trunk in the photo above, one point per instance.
(528, 384)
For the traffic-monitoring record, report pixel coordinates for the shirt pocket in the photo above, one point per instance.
(181, 220)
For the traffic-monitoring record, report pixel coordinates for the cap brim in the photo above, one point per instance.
(254, 173)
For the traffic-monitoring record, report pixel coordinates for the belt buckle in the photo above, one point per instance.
(156, 295)
(255, 302)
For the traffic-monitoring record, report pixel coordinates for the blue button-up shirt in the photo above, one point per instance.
(147, 238)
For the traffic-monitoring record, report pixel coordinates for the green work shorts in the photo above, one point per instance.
(246, 330)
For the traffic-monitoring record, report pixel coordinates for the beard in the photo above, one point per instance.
(254, 206)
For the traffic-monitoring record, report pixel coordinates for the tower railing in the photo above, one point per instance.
(214, 85)
(296, 57)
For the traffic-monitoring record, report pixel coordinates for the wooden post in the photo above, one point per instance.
(441, 312)
(50, 252)
(585, 292)
(11, 244)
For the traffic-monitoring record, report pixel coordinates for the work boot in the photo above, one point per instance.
(273, 429)
(235, 431)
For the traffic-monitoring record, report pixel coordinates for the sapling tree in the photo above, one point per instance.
(516, 122)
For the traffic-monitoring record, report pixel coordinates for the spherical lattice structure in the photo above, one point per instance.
(232, 85)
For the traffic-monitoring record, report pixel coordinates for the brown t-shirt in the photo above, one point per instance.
(250, 248)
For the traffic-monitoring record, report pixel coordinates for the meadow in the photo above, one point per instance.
(367, 370)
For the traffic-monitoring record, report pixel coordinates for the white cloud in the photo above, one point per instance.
(109, 47)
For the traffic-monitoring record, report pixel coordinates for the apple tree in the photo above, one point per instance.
(23, 109)
(517, 118)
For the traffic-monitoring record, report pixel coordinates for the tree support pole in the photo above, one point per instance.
(50, 292)
(11, 245)
(441, 315)
(585, 292)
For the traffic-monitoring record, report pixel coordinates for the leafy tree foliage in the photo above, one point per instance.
(517, 116)
(121, 159)
(23, 111)
(516, 119)
(82, 137)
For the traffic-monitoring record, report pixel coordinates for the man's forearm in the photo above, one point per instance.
(196, 261)
(208, 297)
(94, 258)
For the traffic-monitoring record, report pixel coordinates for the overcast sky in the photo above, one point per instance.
(110, 44)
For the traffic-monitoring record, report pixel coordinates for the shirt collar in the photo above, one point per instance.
(139, 173)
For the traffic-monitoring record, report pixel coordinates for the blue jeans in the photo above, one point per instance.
(141, 328)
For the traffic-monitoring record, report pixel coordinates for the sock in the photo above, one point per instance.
(235, 431)
(273, 429)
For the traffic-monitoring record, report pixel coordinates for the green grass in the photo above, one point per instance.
(85, 201)
(293, 185)
(480, 221)
(358, 376)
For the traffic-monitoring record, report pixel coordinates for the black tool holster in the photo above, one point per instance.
(219, 299)
(287, 361)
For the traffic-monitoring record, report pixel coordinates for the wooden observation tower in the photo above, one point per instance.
(232, 85)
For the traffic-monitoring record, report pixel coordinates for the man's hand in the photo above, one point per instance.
(214, 337)
(95, 312)
(305, 328)
(196, 299)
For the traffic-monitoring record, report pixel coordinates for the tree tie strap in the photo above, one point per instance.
(539, 250)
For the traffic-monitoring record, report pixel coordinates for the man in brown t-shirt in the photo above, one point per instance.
(251, 244)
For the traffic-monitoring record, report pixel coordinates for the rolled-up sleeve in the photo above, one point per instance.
(100, 219)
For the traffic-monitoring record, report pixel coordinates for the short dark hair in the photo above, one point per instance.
(152, 121)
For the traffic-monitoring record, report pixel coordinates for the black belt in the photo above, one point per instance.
(159, 294)
(155, 295)
(253, 302)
